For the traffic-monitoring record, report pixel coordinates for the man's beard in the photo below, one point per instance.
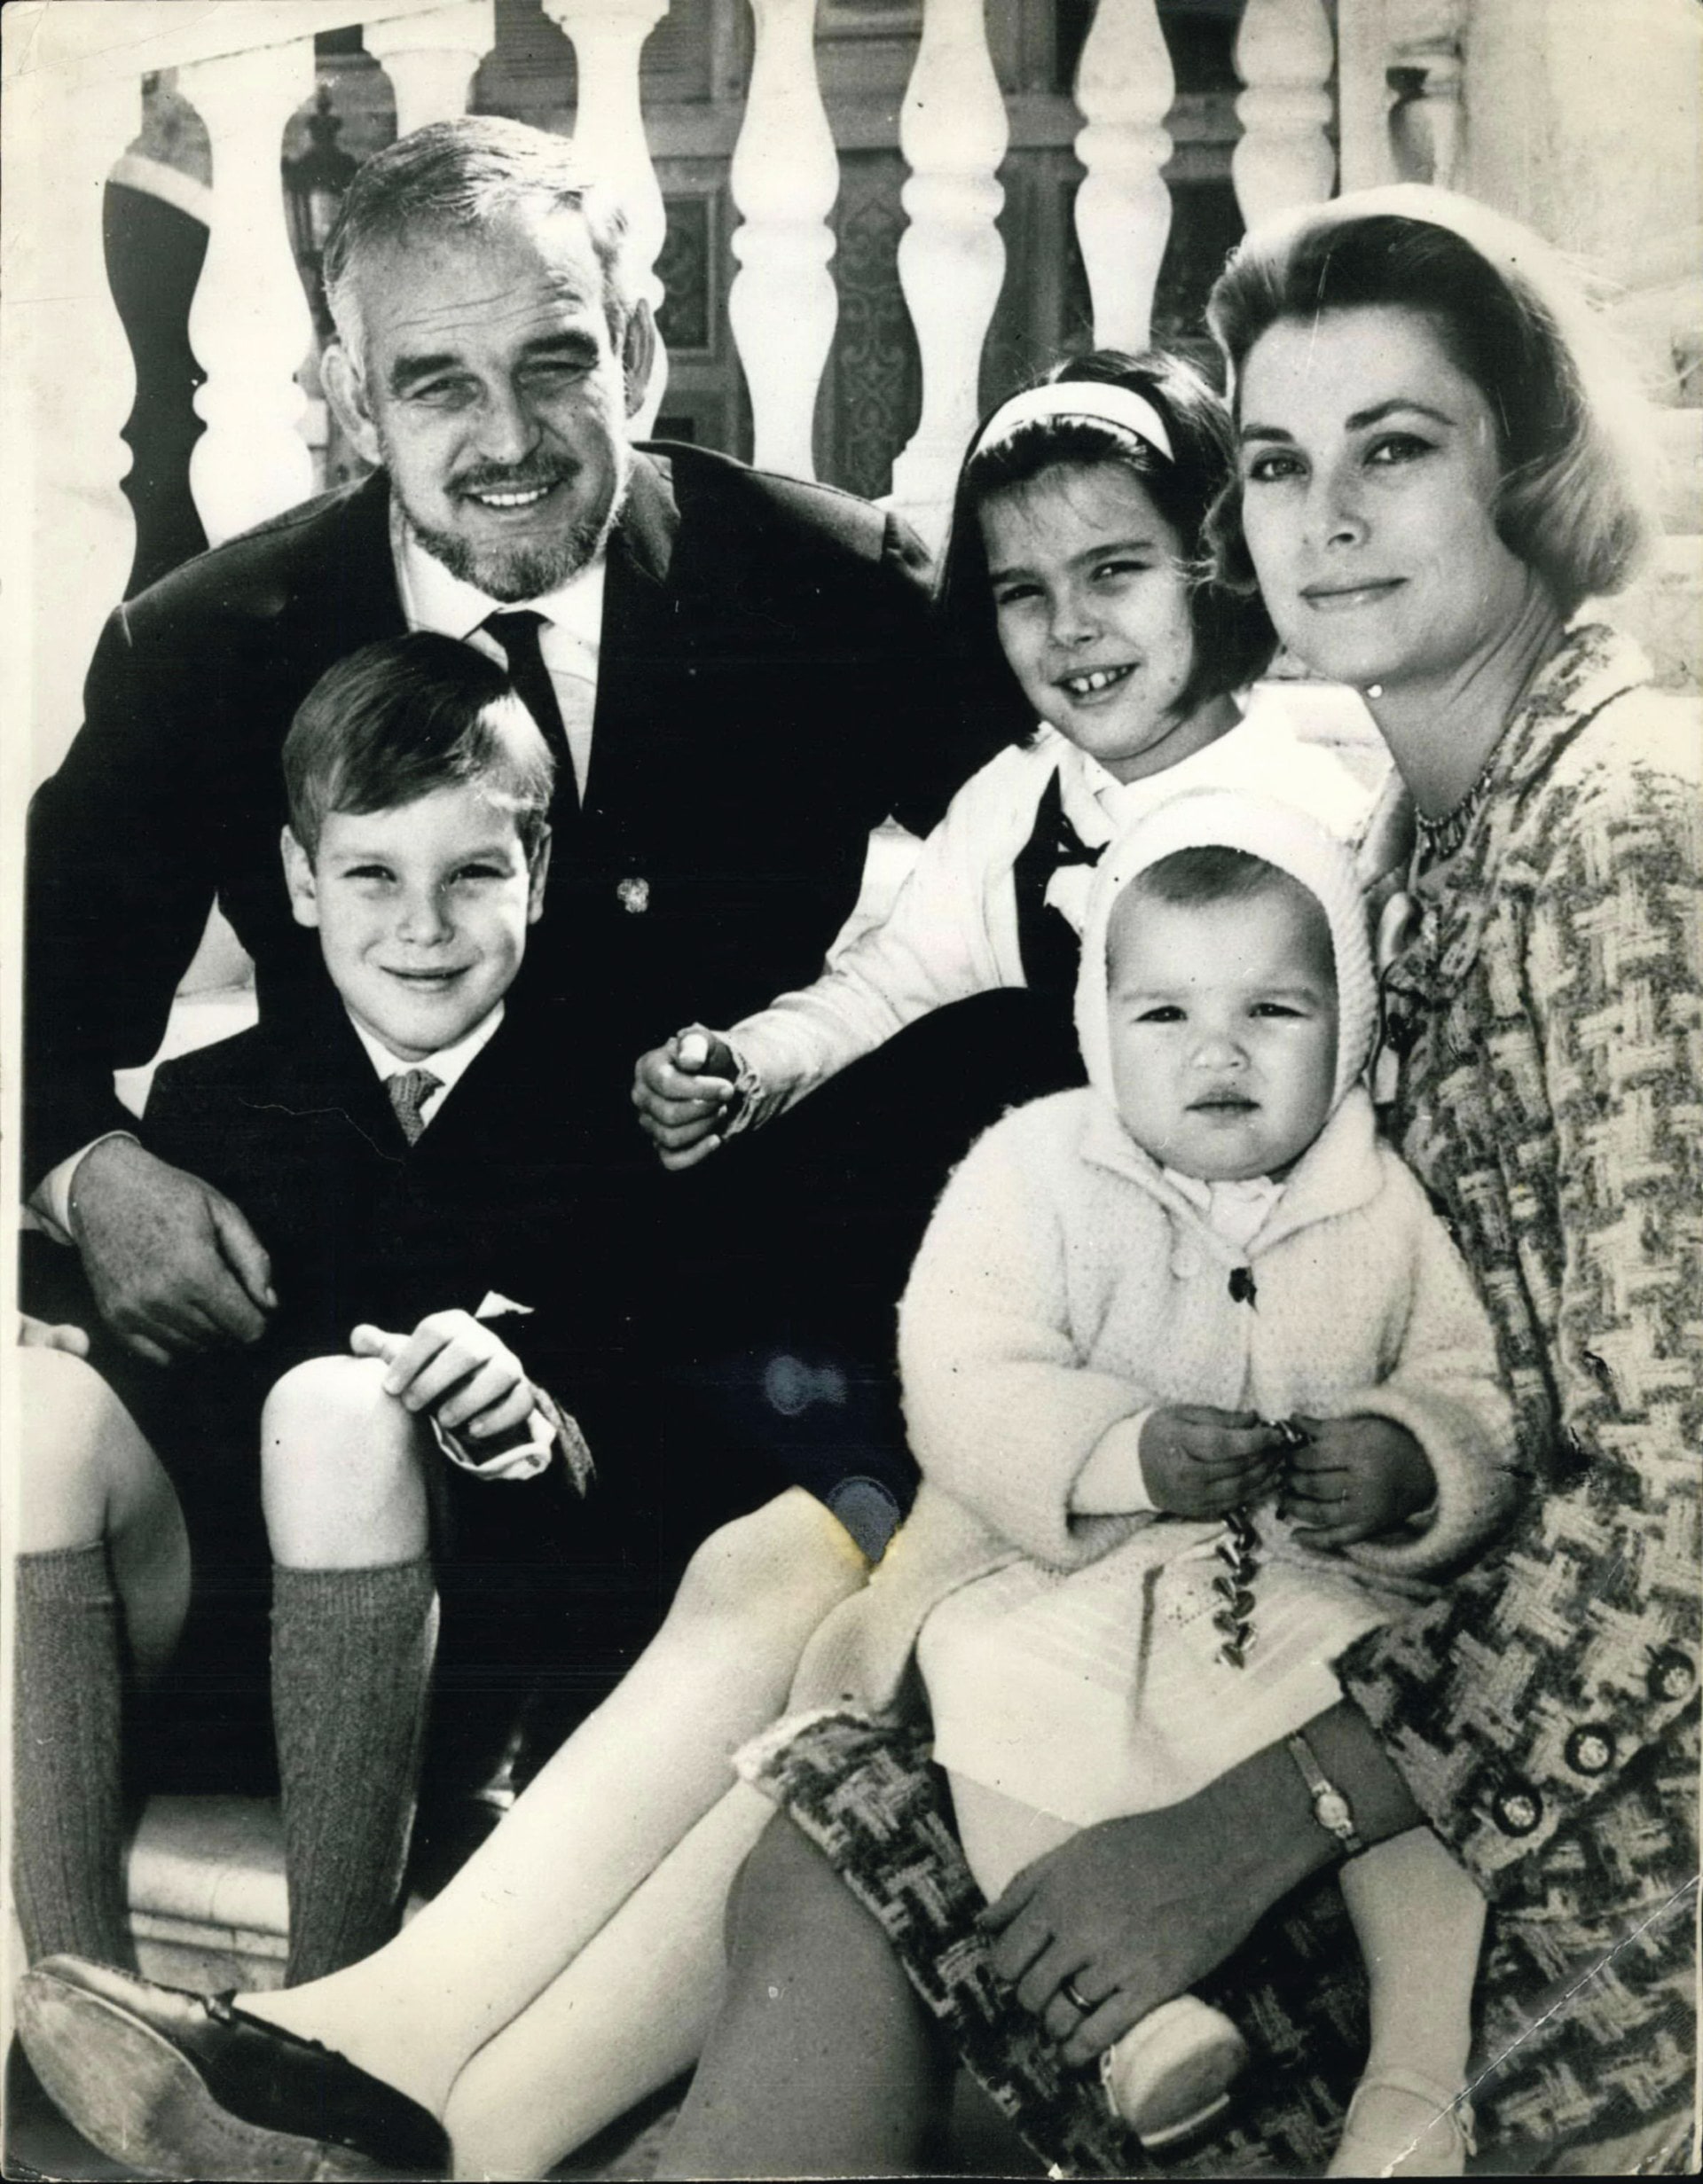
(525, 571)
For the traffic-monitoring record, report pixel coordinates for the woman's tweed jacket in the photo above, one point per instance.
(1544, 1713)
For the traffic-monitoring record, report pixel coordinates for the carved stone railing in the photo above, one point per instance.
(1600, 130)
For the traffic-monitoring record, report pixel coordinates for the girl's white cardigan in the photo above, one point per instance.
(1066, 1287)
(952, 931)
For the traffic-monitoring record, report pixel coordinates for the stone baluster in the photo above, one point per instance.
(785, 177)
(1424, 68)
(249, 324)
(1124, 88)
(953, 132)
(1364, 155)
(1284, 56)
(431, 59)
(70, 388)
(608, 37)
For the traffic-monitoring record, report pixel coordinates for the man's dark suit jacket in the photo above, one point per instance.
(763, 699)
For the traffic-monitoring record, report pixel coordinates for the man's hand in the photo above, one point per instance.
(683, 1092)
(456, 1368)
(35, 1334)
(1356, 1479)
(1198, 1461)
(173, 1264)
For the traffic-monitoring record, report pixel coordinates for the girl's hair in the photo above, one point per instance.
(1576, 447)
(1234, 640)
(398, 719)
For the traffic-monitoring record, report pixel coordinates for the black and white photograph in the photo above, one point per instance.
(852, 1039)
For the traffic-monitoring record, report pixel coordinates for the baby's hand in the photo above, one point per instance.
(1198, 1461)
(454, 1366)
(1356, 1478)
(683, 1092)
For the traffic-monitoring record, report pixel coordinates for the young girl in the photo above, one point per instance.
(1077, 614)
(1142, 1310)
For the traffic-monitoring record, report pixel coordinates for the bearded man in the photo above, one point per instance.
(727, 662)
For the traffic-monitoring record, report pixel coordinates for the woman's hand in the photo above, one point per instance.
(684, 1093)
(1134, 1911)
(35, 1334)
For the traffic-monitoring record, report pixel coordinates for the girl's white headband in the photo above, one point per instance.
(1090, 399)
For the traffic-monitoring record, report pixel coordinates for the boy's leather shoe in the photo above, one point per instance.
(187, 2086)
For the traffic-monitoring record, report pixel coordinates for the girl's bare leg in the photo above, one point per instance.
(629, 2014)
(604, 1813)
(821, 2062)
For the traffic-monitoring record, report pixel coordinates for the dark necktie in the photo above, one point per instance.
(518, 635)
(408, 1090)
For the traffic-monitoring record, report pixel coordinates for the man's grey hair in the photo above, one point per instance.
(454, 178)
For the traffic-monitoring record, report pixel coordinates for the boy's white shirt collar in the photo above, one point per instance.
(433, 598)
(449, 1065)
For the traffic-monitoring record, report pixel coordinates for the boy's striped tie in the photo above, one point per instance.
(408, 1090)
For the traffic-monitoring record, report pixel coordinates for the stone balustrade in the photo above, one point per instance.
(1397, 82)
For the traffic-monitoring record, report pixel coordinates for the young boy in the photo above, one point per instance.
(407, 1142)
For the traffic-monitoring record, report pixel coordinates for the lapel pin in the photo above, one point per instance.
(633, 896)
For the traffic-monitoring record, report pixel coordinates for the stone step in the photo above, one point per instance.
(209, 1905)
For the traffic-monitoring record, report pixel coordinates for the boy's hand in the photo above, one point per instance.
(1199, 1461)
(683, 1092)
(173, 1263)
(1356, 1479)
(454, 1366)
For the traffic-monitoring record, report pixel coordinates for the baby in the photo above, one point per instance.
(1155, 1320)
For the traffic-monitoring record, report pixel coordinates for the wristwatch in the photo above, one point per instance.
(1331, 1809)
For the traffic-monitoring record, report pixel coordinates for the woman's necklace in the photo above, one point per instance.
(1440, 838)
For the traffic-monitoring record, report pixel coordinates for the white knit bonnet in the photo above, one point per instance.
(1284, 836)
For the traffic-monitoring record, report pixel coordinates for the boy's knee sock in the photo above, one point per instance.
(67, 1857)
(1420, 1923)
(351, 1662)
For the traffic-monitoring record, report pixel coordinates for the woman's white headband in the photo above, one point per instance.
(1090, 399)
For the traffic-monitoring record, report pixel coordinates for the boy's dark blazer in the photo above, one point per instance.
(763, 700)
(508, 1193)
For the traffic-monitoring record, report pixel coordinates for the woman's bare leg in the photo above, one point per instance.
(629, 2014)
(821, 2062)
(604, 1813)
(89, 1475)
